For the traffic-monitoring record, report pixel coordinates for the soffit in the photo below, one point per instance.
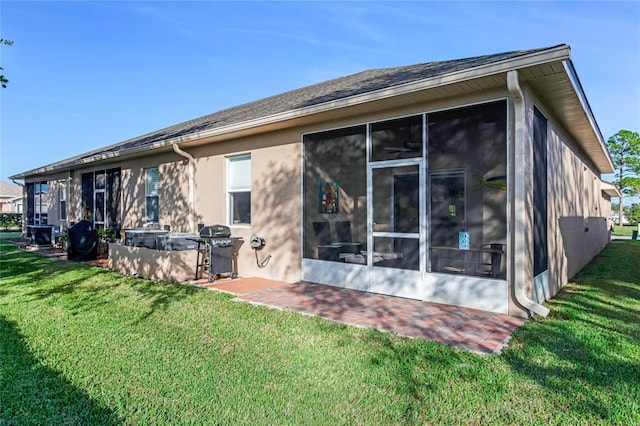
(561, 92)
(609, 189)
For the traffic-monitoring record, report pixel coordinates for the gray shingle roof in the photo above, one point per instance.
(9, 190)
(331, 90)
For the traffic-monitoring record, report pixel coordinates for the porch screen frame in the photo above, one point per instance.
(111, 201)
(540, 181)
(35, 203)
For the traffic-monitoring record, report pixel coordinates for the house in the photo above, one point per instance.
(471, 182)
(10, 198)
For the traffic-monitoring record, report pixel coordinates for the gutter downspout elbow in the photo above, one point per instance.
(519, 241)
(192, 197)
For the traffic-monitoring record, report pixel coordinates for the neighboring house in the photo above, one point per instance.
(615, 218)
(471, 182)
(609, 190)
(10, 197)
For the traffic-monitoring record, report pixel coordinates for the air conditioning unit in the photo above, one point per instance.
(43, 235)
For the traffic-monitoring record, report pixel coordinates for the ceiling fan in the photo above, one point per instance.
(407, 146)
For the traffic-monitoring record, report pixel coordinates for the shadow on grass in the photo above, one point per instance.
(587, 351)
(31, 393)
(90, 286)
(408, 364)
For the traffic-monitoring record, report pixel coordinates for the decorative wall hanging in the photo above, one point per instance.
(463, 241)
(327, 197)
(498, 182)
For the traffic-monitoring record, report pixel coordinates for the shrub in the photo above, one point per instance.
(10, 221)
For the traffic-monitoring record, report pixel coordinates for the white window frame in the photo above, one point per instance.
(99, 223)
(150, 192)
(40, 207)
(63, 198)
(234, 187)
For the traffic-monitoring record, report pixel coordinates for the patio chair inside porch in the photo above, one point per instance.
(326, 249)
(343, 229)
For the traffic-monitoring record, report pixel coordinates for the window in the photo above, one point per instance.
(239, 189)
(152, 177)
(41, 203)
(37, 203)
(63, 200)
(100, 198)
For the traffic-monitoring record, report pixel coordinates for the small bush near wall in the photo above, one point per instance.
(10, 221)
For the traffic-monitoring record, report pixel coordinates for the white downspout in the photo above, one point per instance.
(520, 251)
(24, 200)
(192, 196)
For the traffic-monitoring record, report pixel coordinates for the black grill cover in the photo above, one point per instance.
(83, 241)
(215, 231)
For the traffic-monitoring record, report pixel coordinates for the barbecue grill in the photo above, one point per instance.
(216, 251)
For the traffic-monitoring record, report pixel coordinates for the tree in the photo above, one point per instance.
(3, 80)
(624, 148)
(633, 213)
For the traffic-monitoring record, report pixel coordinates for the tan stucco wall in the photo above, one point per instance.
(169, 266)
(276, 186)
(577, 210)
(275, 199)
(577, 220)
(173, 191)
(276, 204)
(53, 198)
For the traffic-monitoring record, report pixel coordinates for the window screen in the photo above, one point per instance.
(152, 207)
(239, 189)
(63, 200)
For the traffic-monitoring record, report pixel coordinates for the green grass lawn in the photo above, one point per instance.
(624, 230)
(81, 345)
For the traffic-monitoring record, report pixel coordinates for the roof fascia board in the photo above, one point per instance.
(83, 159)
(582, 97)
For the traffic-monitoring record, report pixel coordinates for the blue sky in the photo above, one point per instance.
(88, 74)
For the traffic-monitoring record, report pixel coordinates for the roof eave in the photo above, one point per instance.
(607, 165)
(70, 164)
(610, 189)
